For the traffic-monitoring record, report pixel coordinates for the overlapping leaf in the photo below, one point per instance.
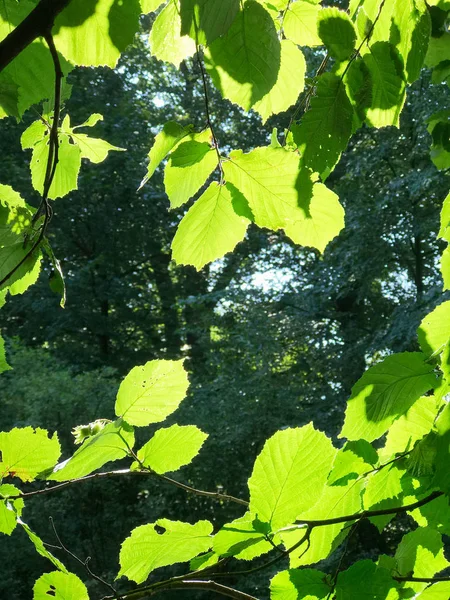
(385, 392)
(211, 227)
(9, 509)
(244, 538)
(166, 41)
(300, 23)
(289, 475)
(244, 63)
(26, 452)
(111, 443)
(60, 586)
(171, 448)
(161, 544)
(294, 584)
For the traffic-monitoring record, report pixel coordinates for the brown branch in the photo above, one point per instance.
(367, 514)
(193, 584)
(36, 24)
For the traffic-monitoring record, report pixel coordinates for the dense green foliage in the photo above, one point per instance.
(259, 360)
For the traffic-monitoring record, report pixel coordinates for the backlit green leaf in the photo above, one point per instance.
(434, 330)
(269, 180)
(300, 23)
(149, 548)
(307, 584)
(337, 32)
(421, 553)
(188, 168)
(355, 458)
(111, 443)
(334, 501)
(289, 474)
(324, 131)
(410, 33)
(210, 228)
(289, 84)
(26, 452)
(206, 20)
(242, 538)
(323, 221)
(385, 392)
(171, 448)
(103, 30)
(150, 5)
(60, 586)
(437, 591)
(152, 392)
(244, 63)
(165, 141)
(388, 87)
(9, 509)
(166, 41)
(366, 581)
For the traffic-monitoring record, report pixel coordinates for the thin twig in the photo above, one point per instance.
(205, 585)
(208, 114)
(84, 563)
(121, 472)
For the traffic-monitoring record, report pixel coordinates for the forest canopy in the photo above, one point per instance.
(224, 280)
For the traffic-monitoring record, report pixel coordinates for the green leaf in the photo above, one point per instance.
(242, 538)
(66, 174)
(355, 458)
(19, 267)
(60, 586)
(434, 330)
(421, 553)
(334, 501)
(188, 168)
(307, 584)
(382, 485)
(164, 143)
(40, 546)
(9, 509)
(203, 561)
(366, 581)
(206, 20)
(29, 78)
(148, 6)
(93, 33)
(15, 216)
(444, 231)
(434, 514)
(337, 32)
(411, 427)
(410, 33)
(324, 221)
(166, 41)
(148, 548)
(438, 50)
(385, 392)
(388, 86)
(445, 268)
(172, 448)
(210, 228)
(94, 149)
(111, 443)
(289, 474)
(27, 452)
(289, 84)
(152, 392)
(4, 366)
(437, 591)
(244, 63)
(300, 23)
(269, 179)
(325, 129)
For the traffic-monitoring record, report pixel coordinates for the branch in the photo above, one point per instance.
(183, 584)
(367, 514)
(105, 475)
(36, 24)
